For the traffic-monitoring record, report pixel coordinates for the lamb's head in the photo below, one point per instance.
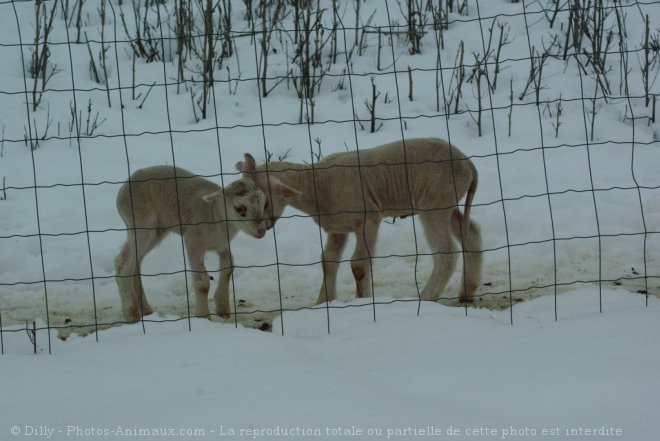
(277, 193)
(245, 202)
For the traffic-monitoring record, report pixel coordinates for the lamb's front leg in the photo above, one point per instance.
(365, 242)
(334, 246)
(222, 292)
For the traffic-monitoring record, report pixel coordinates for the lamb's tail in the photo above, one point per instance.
(468, 201)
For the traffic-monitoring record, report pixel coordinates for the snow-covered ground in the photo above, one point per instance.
(570, 225)
(390, 379)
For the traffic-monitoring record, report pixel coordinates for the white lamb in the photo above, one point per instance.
(352, 192)
(161, 200)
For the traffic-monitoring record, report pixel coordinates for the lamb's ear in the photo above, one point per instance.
(281, 189)
(214, 196)
(248, 167)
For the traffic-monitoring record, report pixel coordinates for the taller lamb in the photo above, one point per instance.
(352, 192)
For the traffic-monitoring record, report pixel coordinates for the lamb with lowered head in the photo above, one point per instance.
(352, 192)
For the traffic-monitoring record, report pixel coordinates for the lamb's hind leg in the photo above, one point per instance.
(334, 246)
(127, 265)
(472, 255)
(125, 270)
(438, 234)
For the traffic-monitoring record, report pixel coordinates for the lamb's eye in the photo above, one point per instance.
(241, 210)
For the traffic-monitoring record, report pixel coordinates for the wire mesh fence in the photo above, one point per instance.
(553, 101)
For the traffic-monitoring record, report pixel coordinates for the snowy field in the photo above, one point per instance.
(402, 377)
(568, 201)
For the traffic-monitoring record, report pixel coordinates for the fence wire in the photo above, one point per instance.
(282, 80)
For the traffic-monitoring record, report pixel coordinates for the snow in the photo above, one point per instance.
(561, 340)
(404, 371)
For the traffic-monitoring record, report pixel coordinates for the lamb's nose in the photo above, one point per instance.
(261, 232)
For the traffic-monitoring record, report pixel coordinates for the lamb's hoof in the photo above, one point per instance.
(131, 317)
(203, 315)
(133, 314)
(223, 314)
